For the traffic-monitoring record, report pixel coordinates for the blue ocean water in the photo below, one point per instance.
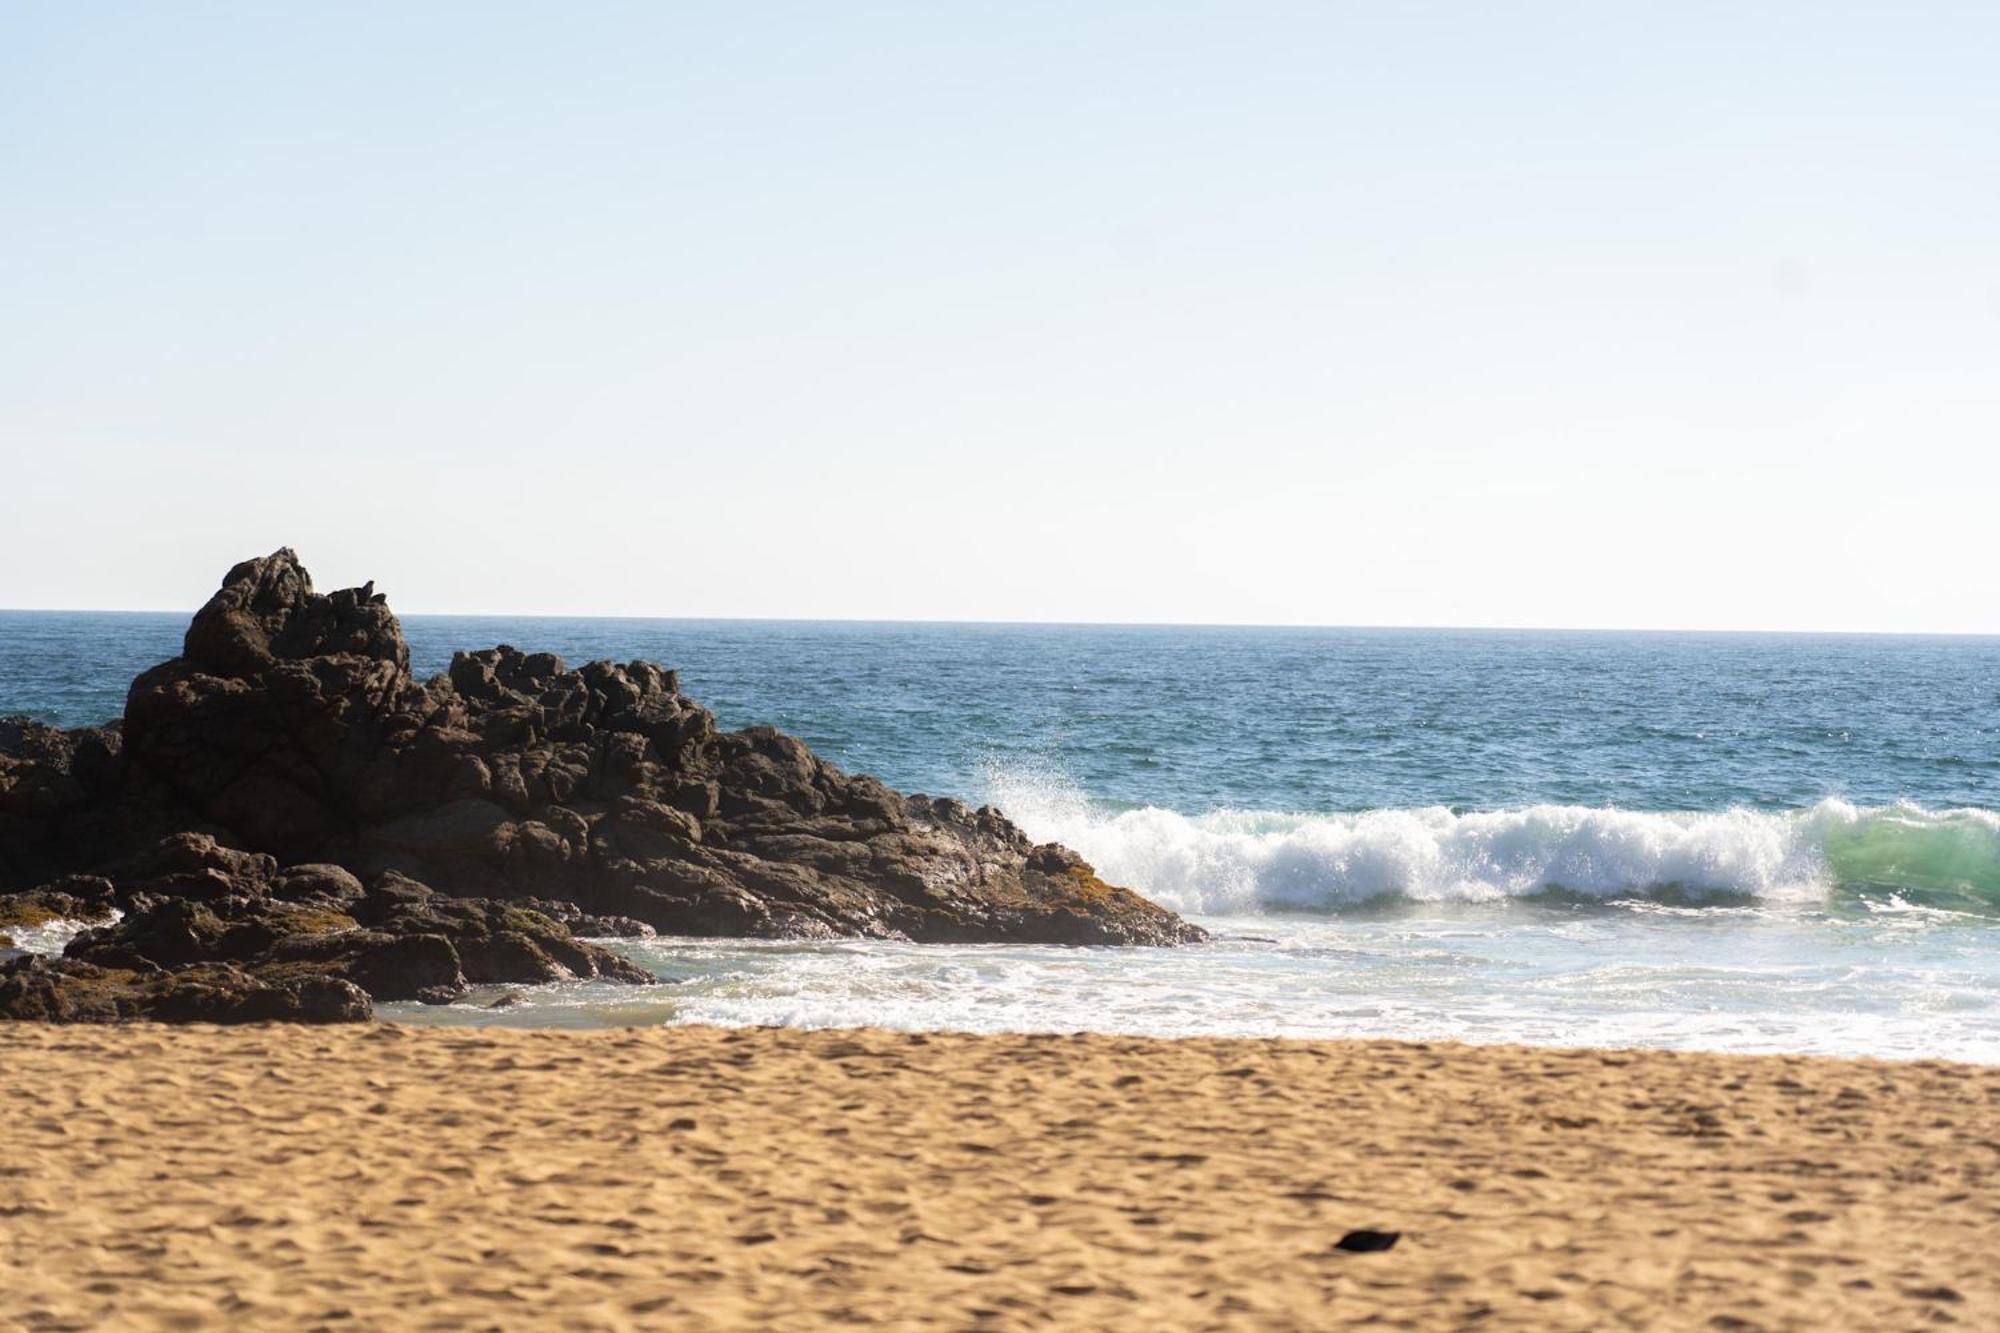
(1728, 841)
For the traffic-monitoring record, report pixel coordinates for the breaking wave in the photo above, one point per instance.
(1248, 861)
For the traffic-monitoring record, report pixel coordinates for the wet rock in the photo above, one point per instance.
(585, 926)
(71, 991)
(398, 940)
(72, 898)
(495, 942)
(409, 967)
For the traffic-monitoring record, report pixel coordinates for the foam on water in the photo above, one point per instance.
(1834, 929)
(51, 937)
(1248, 861)
(1743, 978)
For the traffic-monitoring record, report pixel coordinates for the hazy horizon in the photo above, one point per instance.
(1356, 315)
(1058, 624)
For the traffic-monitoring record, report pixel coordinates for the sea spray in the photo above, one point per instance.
(1246, 861)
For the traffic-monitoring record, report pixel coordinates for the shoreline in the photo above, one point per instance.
(384, 1176)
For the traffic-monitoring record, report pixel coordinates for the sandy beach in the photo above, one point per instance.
(386, 1177)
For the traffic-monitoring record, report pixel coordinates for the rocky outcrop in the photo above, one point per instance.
(201, 931)
(68, 991)
(287, 770)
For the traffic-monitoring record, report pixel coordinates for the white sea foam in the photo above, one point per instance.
(1633, 975)
(1652, 968)
(1238, 861)
(51, 937)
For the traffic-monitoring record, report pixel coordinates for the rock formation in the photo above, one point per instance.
(291, 823)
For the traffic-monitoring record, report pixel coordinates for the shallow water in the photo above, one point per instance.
(1633, 974)
(1724, 841)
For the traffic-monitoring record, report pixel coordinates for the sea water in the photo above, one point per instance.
(1731, 842)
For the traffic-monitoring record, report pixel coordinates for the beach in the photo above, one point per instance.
(384, 1177)
(989, 667)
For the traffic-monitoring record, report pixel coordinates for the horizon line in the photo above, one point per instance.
(1074, 624)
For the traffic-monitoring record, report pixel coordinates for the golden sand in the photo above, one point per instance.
(386, 1178)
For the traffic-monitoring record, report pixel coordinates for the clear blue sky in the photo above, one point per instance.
(1673, 314)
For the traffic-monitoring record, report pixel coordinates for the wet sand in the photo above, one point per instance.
(387, 1178)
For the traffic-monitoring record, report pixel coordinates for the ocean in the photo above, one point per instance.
(1719, 841)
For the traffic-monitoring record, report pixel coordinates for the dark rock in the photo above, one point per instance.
(58, 790)
(331, 1000)
(287, 764)
(394, 893)
(266, 611)
(167, 933)
(1365, 1241)
(67, 990)
(71, 898)
(399, 940)
(323, 884)
(410, 967)
(580, 923)
(495, 942)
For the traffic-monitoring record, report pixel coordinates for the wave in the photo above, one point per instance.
(1241, 862)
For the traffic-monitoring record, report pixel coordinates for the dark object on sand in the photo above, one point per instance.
(1367, 1242)
(284, 807)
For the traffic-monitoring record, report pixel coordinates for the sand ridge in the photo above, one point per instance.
(378, 1177)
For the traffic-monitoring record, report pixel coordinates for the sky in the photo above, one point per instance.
(1670, 315)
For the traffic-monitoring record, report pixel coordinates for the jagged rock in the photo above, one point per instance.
(266, 611)
(585, 926)
(398, 940)
(288, 762)
(69, 991)
(73, 898)
(56, 790)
